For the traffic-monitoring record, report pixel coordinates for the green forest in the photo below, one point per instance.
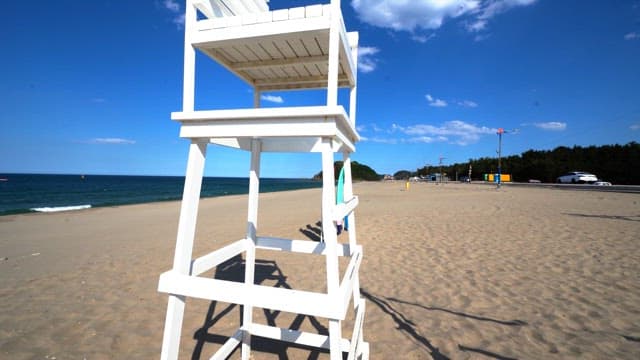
(359, 172)
(618, 164)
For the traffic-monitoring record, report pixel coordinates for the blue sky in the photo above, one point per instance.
(88, 86)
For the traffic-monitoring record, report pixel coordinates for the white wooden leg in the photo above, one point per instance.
(335, 337)
(331, 242)
(351, 220)
(328, 226)
(184, 246)
(252, 228)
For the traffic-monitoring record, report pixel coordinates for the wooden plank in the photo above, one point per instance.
(296, 337)
(299, 246)
(292, 113)
(277, 62)
(313, 10)
(257, 129)
(252, 228)
(280, 15)
(279, 144)
(356, 336)
(345, 209)
(348, 281)
(294, 301)
(228, 347)
(215, 258)
(257, 32)
(296, 13)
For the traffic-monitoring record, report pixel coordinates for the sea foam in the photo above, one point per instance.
(61, 208)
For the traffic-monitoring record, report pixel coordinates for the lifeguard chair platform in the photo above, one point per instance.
(298, 48)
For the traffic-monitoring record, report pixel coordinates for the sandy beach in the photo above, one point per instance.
(455, 271)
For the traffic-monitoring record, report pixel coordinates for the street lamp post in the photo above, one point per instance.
(500, 132)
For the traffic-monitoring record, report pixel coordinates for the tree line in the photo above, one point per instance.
(358, 172)
(618, 164)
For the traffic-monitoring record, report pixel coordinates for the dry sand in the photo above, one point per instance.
(456, 271)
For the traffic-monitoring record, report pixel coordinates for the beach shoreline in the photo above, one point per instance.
(458, 270)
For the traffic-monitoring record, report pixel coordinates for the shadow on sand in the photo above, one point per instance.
(313, 232)
(609, 217)
(265, 270)
(408, 327)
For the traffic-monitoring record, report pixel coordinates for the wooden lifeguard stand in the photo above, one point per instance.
(298, 48)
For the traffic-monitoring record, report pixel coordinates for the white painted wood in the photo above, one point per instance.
(217, 257)
(280, 15)
(252, 228)
(335, 338)
(351, 218)
(344, 209)
(266, 297)
(299, 246)
(257, 129)
(334, 43)
(353, 92)
(279, 144)
(297, 337)
(328, 225)
(184, 246)
(294, 122)
(348, 193)
(296, 13)
(235, 33)
(288, 29)
(287, 144)
(189, 74)
(306, 47)
(356, 336)
(348, 283)
(313, 10)
(172, 327)
(227, 348)
(263, 113)
(204, 6)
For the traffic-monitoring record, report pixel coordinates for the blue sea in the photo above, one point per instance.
(23, 193)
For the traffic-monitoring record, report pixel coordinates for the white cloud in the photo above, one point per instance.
(171, 5)
(111, 141)
(174, 8)
(635, 127)
(98, 100)
(272, 98)
(380, 140)
(435, 102)
(422, 38)
(455, 132)
(366, 60)
(410, 15)
(178, 20)
(632, 36)
(403, 15)
(490, 8)
(551, 125)
(467, 103)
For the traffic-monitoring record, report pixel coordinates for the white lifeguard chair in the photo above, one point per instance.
(298, 48)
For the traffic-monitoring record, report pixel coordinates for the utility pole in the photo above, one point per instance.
(440, 163)
(500, 132)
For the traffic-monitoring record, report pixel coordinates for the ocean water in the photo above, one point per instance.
(23, 193)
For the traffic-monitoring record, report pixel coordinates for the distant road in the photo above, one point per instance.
(586, 187)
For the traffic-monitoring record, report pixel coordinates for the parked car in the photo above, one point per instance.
(577, 177)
